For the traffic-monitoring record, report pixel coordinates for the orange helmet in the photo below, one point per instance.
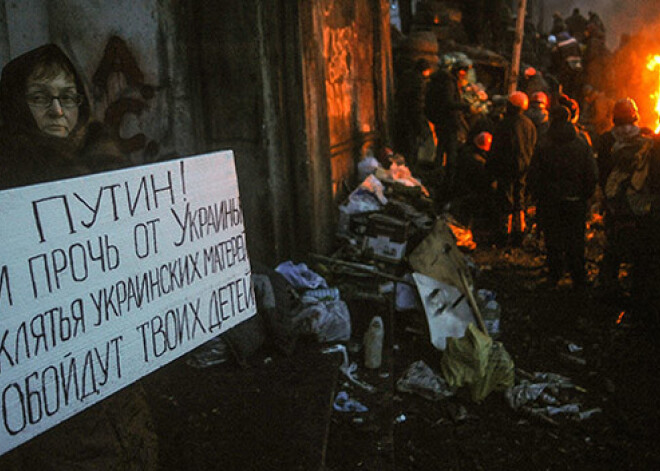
(540, 97)
(530, 72)
(483, 140)
(625, 111)
(519, 100)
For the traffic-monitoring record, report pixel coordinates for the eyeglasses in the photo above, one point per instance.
(45, 100)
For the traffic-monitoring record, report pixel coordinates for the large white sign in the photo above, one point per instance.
(108, 277)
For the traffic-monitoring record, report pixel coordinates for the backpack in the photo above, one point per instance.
(626, 189)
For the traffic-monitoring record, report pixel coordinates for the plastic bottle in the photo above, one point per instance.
(491, 315)
(373, 343)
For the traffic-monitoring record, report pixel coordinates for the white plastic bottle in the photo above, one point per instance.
(373, 343)
(491, 315)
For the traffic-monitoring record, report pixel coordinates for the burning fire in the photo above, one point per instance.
(653, 64)
(463, 236)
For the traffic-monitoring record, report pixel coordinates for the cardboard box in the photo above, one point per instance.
(386, 238)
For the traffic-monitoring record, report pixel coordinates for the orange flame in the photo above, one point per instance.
(463, 237)
(620, 318)
(652, 64)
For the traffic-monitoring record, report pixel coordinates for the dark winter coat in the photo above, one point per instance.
(563, 168)
(443, 105)
(513, 145)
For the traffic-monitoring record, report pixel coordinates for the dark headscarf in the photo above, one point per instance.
(14, 110)
(28, 155)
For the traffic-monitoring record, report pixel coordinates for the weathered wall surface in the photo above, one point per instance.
(354, 52)
(294, 88)
(126, 51)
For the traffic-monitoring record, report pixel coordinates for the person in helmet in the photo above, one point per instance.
(574, 109)
(562, 178)
(629, 159)
(532, 81)
(445, 107)
(538, 113)
(612, 145)
(514, 140)
(473, 201)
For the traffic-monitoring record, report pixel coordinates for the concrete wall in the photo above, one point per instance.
(146, 98)
(260, 77)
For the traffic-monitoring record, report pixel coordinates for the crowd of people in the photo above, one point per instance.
(563, 145)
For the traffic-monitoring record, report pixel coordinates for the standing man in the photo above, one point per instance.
(409, 109)
(562, 178)
(514, 140)
(446, 109)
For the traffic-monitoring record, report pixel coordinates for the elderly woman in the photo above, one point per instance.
(46, 135)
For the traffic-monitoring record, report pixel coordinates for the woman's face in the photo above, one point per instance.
(51, 101)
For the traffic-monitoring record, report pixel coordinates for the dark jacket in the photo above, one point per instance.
(513, 145)
(563, 168)
(443, 105)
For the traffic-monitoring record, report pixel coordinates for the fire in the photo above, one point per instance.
(463, 236)
(653, 64)
(620, 318)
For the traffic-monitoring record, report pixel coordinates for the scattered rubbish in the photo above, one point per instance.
(349, 368)
(300, 276)
(343, 403)
(478, 361)
(314, 296)
(527, 392)
(373, 343)
(386, 238)
(420, 379)
(573, 359)
(491, 315)
(573, 348)
(588, 413)
(400, 418)
(458, 413)
(447, 310)
(213, 352)
(539, 416)
(330, 321)
(554, 410)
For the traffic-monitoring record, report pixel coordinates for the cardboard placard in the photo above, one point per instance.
(106, 278)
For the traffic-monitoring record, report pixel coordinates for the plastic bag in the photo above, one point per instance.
(330, 321)
(479, 362)
(300, 276)
(420, 379)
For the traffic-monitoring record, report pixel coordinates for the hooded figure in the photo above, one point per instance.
(562, 178)
(46, 135)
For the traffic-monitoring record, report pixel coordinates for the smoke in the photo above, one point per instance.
(620, 16)
(625, 74)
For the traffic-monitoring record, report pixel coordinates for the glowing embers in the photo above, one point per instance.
(653, 64)
(619, 319)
